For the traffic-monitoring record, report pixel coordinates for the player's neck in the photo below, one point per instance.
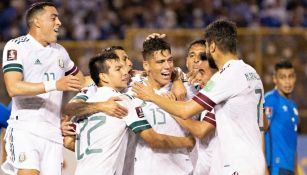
(38, 37)
(112, 87)
(154, 84)
(287, 96)
(224, 58)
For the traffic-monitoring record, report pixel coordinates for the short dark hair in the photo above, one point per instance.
(152, 45)
(113, 48)
(197, 42)
(98, 65)
(201, 42)
(34, 9)
(283, 64)
(224, 33)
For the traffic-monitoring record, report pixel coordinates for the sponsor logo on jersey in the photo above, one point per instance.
(139, 112)
(37, 62)
(22, 157)
(209, 86)
(61, 63)
(285, 108)
(11, 55)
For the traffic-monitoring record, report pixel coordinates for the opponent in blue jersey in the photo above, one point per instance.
(281, 136)
(5, 114)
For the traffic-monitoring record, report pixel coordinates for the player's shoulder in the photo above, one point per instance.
(57, 46)
(271, 96)
(19, 41)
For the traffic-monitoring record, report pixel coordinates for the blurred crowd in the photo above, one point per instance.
(108, 19)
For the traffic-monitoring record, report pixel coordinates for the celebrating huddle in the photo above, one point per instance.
(157, 121)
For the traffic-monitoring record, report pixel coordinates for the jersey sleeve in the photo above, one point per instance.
(135, 119)
(12, 58)
(218, 89)
(69, 66)
(208, 117)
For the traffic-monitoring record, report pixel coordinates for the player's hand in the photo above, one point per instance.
(143, 92)
(68, 128)
(112, 108)
(195, 77)
(155, 35)
(68, 83)
(179, 90)
(169, 95)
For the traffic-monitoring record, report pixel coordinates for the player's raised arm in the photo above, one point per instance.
(17, 87)
(178, 88)
(178, 108)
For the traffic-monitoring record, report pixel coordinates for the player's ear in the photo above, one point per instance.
(146, 66)
(103, 77)
(212, 46)
(36, 22)
(274, 78)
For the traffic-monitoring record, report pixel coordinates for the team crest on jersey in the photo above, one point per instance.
(22, 157)
(11, 55)
(209, 86)
(139, 112)
(61, 63)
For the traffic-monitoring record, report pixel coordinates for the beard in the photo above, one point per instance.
(211, 61)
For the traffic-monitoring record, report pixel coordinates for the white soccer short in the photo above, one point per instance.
(27, 151)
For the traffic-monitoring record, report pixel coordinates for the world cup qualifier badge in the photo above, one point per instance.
(139, 112)
(11, 55)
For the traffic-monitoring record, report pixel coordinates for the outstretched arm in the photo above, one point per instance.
(161, 141)
(181, 109)
(83, 109)
(199, 129)
(17, 87)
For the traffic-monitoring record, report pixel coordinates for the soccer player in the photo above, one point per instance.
(236, 95)
(158, 64)
(101, 140)
(36, 71)
(282, 113)
(203, 126)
